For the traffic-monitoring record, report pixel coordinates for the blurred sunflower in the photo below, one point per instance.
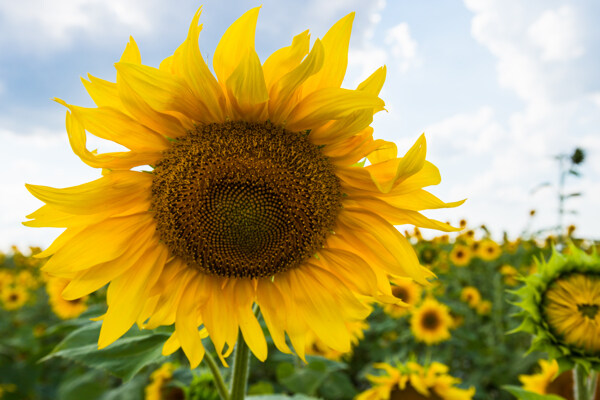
(471, 296)
(255, 194)
(408, 291)
(412, 381)
(158, 388)
(509, 274)
(549, 381)
(460, 255)
(6, 278)
(430, 322)
(489, 250)
(316, 347)
(64, 309)
(484, 307)
(561, 307)
(14, 297)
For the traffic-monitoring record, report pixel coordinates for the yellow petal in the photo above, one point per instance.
(389, 237)
(251, 330)
(188, 63)
(285, 59)
(246, 88)
(103, 93)
(131, 53)
(235, 45)
(418, 200)
(117, 160)
(395, 215)
(349, 267)
(271, 302)
(128, 293)
(390, 173)
(186, 325)
(90, 247)
(335, 42)
(374, 83)
(328, 104)
(89, 280)
(162, 91)
(117, 190)
(283, 97)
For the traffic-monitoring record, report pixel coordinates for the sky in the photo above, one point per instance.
(499, 87)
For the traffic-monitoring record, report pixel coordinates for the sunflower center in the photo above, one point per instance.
(400, 293)
(243, 199)
(588, 310)
(430, 320)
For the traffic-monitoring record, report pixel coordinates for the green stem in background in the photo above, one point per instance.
(216, 373)
(584, 385)
(241, 365)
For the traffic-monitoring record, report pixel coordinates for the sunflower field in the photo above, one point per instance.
(451, 340)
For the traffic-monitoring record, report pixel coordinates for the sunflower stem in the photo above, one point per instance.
(216, 373)
(584, 385)
(241, 365)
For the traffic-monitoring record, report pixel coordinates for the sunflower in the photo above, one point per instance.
(64, 309)
(253, 191)
(316, 347)
(14, 297)
(157, 389)
(460, 255)
(489, 250)
(6, 278)
(509, 274)
(549, 381)
(412, 381)
(430, 322)
(408, 292)
(561, 306)
(471, 296)
(484, 307)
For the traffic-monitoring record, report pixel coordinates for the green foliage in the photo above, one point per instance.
(124, 358)
(522, 394)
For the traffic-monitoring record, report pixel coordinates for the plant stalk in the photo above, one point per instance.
(584, 385)
(216, 373)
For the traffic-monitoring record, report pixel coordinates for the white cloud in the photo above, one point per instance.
(40, 25)
(402, 46)
(557, 34)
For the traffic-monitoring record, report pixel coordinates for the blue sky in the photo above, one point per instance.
(498, 86)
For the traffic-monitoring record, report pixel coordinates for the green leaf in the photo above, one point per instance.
(124, 358)
(305, 380)
(523, 394)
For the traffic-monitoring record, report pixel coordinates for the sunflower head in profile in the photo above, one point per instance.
(561, 308)
(412, 381)
(460, 255)
(260, 185)
(408, 292)
(64, 309)
(431, 322)
(471, 296)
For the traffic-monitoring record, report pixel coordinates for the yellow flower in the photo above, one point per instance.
(430, 322)
(484, 307)
(471, 296)
(510, 275)
(460, 255)
(489, 250)
(64, 309)
(538, 383)
(408, 291)
(571, 306)
(156, 389)
(6, 279)
(253, 192)
(413, 381)
(14, 297)
(314, 346)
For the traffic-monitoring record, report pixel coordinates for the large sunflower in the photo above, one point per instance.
(255, 193)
